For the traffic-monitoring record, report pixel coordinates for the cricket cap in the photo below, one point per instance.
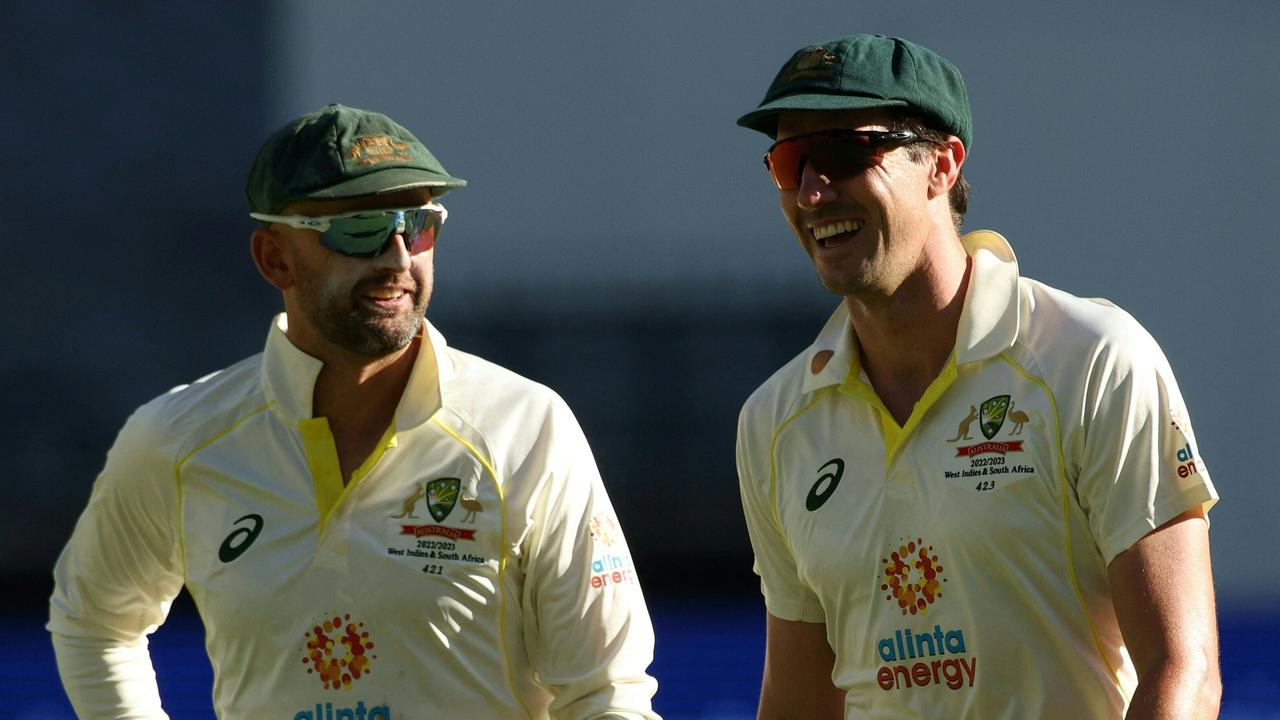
(340, 152)
(867, 71)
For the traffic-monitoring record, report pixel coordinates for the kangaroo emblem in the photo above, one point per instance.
(472, 506)
(963, 433)
(406, 508)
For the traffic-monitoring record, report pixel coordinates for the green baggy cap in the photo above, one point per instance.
(867, 71)
(339, 152)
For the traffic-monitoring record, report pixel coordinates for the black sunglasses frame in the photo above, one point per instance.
(874, 139)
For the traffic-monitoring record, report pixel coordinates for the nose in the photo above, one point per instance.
(396, 254)
(814, 187)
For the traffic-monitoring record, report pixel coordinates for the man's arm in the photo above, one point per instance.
(1162, 588)
(798, 661)
(586, 626)
(115, 581)
(797, 673)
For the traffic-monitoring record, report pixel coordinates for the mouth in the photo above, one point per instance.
(834, 234)
(387, 297)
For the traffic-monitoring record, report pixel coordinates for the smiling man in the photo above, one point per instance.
(973, 496)
(373, 524)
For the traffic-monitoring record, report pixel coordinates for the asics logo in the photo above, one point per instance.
(241, 538)
(825, 487)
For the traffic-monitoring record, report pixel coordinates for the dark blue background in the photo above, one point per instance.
(708, 660)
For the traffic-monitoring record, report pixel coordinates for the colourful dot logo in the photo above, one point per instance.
(604, 529)
(912, 577)
(338, 651)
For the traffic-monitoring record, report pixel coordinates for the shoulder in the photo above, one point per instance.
(483, 390)
(777, 398)
(507, 415)
(1077, 339)
(1054, 311)
(158, 435)
(187, 415)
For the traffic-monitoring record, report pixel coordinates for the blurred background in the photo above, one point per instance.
(619, 242)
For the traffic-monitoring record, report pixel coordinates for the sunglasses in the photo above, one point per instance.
(839, 153)
(368, 233)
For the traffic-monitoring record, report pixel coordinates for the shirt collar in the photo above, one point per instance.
(988, 321)
(289, 377)
(834, 354)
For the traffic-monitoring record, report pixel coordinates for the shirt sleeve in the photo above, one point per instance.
(785, 595)
(586, 625)
(116, 579)
(1139, 466)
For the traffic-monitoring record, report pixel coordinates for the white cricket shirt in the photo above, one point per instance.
(959, 562)
(472, 568)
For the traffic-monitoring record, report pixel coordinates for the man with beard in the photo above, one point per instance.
(372, 524)
(973, 496)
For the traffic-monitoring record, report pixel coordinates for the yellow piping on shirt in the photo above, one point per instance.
(326, 469)
(502, 557)
(773, 466)
(895, 436)
(1064, 491)
(177, 477)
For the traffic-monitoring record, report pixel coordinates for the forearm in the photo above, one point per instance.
(798, 664)
(105, 679)
(1178, 691)
(1163, 592)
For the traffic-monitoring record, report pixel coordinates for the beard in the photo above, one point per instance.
(357, 327)
(843, 284)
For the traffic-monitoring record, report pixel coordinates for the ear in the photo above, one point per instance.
(948, 160)
(272, 258)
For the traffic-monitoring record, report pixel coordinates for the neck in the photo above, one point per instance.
(358, 393)
(905, 337)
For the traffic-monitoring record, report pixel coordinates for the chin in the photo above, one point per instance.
(396, 336)
(839, 283)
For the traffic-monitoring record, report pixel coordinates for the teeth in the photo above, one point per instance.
(826, 231)
(386, 293)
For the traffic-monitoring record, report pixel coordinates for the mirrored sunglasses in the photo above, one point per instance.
(367, 233)
(837, 153)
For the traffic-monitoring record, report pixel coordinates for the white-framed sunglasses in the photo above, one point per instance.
(367, 233)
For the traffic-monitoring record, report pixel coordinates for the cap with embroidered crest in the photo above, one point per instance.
(867, 71)
(339, 152)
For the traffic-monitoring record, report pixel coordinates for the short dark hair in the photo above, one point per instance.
(958, 198)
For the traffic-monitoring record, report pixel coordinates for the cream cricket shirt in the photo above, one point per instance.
(960, 562)
(473, 568)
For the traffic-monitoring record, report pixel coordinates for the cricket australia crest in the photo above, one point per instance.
(442, 495)
(992, 415)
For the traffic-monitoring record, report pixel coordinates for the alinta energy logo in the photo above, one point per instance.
(1185, 455)
(338, 650)
(609, 566)
(912, 579)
